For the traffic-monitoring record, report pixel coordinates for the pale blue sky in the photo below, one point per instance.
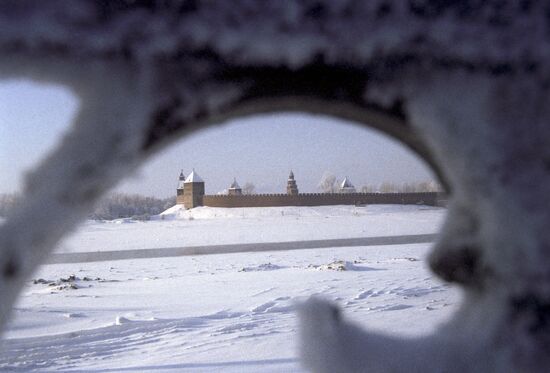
(261, 149)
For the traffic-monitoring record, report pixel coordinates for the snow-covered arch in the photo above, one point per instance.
(465, 84)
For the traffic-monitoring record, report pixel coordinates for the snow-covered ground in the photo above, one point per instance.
(227, 312)
(211, 226)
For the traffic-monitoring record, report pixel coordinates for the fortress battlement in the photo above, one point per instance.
(191, 194)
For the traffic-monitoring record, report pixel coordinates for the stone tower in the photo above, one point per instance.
(234, 189)
(193, 191)
(291, 187)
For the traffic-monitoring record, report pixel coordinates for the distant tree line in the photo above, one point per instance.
(248, 188)
(328, 183)
(113, 206)
(387, 187)
(135, 206)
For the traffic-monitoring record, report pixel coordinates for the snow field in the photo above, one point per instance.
(210, 226)
(231, 312)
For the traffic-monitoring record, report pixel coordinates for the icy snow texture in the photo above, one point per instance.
(246, 313)
(465, 84)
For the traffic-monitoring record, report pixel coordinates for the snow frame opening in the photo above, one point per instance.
(471, 78)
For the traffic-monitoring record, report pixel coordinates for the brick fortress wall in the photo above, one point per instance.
(190, 193)
(322, 199)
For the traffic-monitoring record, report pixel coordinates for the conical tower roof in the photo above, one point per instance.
(346, 184)
(194, 178)
(291, 175)
(234, 184)
(181, 180)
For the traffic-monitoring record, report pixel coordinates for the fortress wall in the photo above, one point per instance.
(321, 199)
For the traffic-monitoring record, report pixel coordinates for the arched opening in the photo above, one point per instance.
(217, 306)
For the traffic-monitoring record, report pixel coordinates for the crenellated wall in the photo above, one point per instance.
(322, 199)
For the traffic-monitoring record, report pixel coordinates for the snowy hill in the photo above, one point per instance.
(205, 212)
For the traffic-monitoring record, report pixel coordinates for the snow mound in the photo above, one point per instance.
(340, 265)
(122, 221)
(121, 320)
(72, 315)
(204, 212)
(261, 267)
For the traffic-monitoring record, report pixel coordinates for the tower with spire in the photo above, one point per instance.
(179, 190)
(193, 190)
(234, 189)
(291, 187)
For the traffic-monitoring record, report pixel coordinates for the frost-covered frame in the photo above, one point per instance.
(464, 84)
